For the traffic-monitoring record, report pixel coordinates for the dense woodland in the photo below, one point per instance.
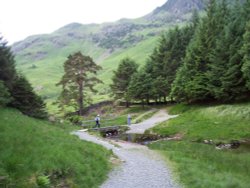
(207, 60)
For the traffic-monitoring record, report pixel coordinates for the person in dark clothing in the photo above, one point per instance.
(97, 121)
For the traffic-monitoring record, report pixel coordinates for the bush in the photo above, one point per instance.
(75, 119)
(43, 181)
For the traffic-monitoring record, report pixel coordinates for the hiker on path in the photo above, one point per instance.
(129, 119)
(97, 121)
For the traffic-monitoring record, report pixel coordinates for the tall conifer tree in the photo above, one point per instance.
(140, 87)
(233, 84)
(26, 100)
(219, 55)
(246, 54)
(122, 77)
(79, 71)
(7, 65)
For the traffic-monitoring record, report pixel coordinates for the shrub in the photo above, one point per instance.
(43, 181)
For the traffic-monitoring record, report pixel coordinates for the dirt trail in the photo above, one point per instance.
(141, 167)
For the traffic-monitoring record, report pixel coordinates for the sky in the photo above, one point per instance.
(22, 18)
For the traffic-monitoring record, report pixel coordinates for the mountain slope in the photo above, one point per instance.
(42, 56)
(181, 6)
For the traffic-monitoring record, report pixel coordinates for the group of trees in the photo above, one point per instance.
(207, 60)
(215, 66)
(16, 91)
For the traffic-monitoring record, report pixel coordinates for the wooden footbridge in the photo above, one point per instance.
(107, 127)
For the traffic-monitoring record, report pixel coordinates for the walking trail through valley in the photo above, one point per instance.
(141, 167)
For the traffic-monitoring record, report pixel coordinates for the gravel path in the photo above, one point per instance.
(158, 117)
(141, 167)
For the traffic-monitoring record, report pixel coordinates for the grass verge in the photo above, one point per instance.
(35, 153)
(201, 165)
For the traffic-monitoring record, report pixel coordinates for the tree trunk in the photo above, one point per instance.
(143, 104)
(80, 101)
(156, 101)
(127, 104)
(165, 99)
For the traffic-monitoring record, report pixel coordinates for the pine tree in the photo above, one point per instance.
(79, 71)
(246, 53)
(219, 55)
(7, 65)
(167, 58)
(122, 77)
(154, 67)
(5, 96)
(178, 41)
(178, 88)
(233, 83)
(197, 59)
(183, 73)
(26, 100)
(246, 47)
(140, 87)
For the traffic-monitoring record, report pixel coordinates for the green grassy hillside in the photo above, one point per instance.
(202, 165)
(36, 153)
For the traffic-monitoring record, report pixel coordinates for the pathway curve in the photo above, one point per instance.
(140, 168)
(158, 117)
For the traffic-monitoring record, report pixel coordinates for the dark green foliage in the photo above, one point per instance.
(197, 58)
(219, 55)
(164, 62)
(212, 68)
(7, 64)
(5, 96)
(178, 89)
(122, 77)
(140, 87)
(159, 90)
(233, 83)
(207, 60)
(78, 76)
(26, 100)
(246, 54)
(16, 91)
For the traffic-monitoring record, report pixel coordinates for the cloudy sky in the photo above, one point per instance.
(22, 18)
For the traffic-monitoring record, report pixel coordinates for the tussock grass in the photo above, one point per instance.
(35, 151)
(201, 165)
